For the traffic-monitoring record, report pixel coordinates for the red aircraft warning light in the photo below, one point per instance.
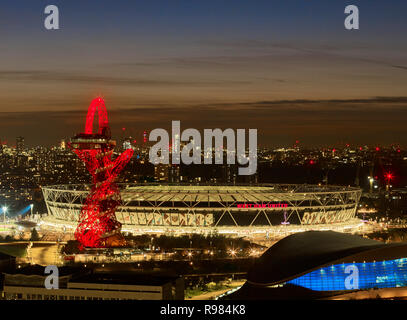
(98, 226)
(389, 176)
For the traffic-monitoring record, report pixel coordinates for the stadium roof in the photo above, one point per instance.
(216, 193)
(304, 252)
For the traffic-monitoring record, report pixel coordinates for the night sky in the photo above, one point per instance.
(288, 68)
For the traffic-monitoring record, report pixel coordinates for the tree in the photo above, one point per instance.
(34, 235)
(8, 238)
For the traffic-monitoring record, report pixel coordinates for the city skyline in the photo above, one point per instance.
(291, 70)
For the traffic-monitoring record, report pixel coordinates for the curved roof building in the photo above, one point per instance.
(321, 264)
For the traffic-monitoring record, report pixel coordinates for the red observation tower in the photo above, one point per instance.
(98, 226)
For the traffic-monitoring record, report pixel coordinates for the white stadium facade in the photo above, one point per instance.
(271, 210)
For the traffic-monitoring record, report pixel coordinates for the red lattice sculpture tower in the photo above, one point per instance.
(98, 226)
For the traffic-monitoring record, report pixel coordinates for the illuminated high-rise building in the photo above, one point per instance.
(20, 145)
(62, 145)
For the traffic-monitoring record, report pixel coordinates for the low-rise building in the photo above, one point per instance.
(29, 284)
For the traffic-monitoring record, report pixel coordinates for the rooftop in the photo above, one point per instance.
(130, 278)
(304, 252)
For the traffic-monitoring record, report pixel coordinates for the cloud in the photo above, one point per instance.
(76, 78)
(314, 122)
(400, 67)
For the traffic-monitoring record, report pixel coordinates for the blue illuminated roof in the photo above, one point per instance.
(302, 253)
(378, 274)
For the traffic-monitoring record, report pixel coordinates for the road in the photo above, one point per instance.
(212, 295)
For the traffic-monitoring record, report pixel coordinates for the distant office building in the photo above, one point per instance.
(127, 145)
(398, 200)
(173, 173)
(20, 146)
(161, 172)
(75, 285)
(62, 145)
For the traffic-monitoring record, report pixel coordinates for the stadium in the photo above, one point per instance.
(272, 210)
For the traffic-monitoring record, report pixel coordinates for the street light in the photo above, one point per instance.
(4, 213)
(371, 179)
(31, 207)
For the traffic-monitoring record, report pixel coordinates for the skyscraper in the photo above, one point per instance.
(20, 145)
